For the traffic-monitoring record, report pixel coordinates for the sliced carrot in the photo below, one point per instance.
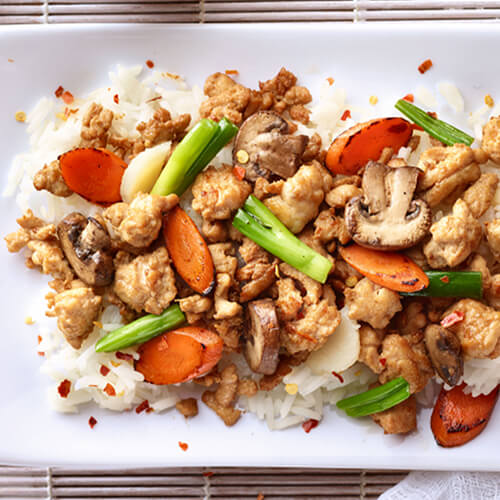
(352, 149)
(179, 355)
(189, 252)
(388, 269)
(458, 418)
(95, 174)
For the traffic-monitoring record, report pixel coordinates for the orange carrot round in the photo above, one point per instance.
(388, 269)
(179, 355)
(458, 418)
(95, 174)
(189, 252)
(352, 149)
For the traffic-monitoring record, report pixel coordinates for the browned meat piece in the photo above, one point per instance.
(224, 308)
(138, 223)
(32, 228)
(223, 258)
(126, 312)
(209, 379)
(214, 231)
(50, 178)
(446, 171)
(406, 356)
(145, 282)
(48, 258)
(222, 400)
(226, 98)
(229, 331)
(481, 194)
(289, 301)
(399, 419)
(218, 193)
(411, 319)
(194, 306)
(76, 310)
(258, 273)
(370, 346)
(187, 407)
(95, 127)
(492, 230)
(340, 195)
(479, 330)
(247, 387)
(301, 196)
(280, 84)
(329, 226)
(454, 237)
(372, 303)
(263, 188)
(491, 138)
(311, 289)
(162, 127)
(313, 149)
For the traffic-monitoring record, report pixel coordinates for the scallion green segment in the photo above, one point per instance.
(183, 157)
(442, 131)
(259, 224)
(376, 400)
(226, 130)
(468, 284)
(141, 330)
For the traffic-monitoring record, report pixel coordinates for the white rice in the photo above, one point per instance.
(51, 136)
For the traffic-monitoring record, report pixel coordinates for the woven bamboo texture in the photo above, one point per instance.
(211, 11)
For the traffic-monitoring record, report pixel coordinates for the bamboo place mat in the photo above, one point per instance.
(217, 483)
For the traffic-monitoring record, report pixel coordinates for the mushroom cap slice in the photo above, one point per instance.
(265, 138)
(87, 246)
(387, 217)
(445, 353)
(263, 344)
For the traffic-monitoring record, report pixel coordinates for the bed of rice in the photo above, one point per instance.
(51, 134)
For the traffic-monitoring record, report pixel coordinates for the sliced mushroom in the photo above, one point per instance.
(262, 347)
(445, 353)
(87, 246)
(264, 146)
(387, 217)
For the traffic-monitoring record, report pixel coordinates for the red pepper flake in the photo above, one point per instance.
(143, 406)
(183, 446)
(104, 370)
(232, 72)
(154, 99)
(40, 353)
(339, 376)
(452, 319)
(92, 422)
(209, 473)
(67, 97)
(310, 424)
(69, 111)
(150, 64)
(432, 114)
(10, 60)
(110, 390)
(383, 361)
(239, 172)
(425, 66)
(346, 115)
(39, 339)
(124, 356)
(445, 279)
(116, 99)
(300, 315)
(64, 388)
(330, 80)
(59, 91)
(260, 496)
(409, 98)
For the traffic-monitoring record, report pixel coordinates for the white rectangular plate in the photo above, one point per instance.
(366, 60)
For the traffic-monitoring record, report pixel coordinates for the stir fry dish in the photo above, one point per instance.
(263, 252)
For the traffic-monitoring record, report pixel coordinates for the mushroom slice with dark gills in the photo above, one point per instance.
(445, 353)
(264, 146)
(387, 217)
(263, 344)
(87, 246)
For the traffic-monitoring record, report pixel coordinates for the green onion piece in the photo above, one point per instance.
(378, 399)
(442, 131)
(467, 284)
(183, 156)
(259, 224)
(141, 330)
(226, 130)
